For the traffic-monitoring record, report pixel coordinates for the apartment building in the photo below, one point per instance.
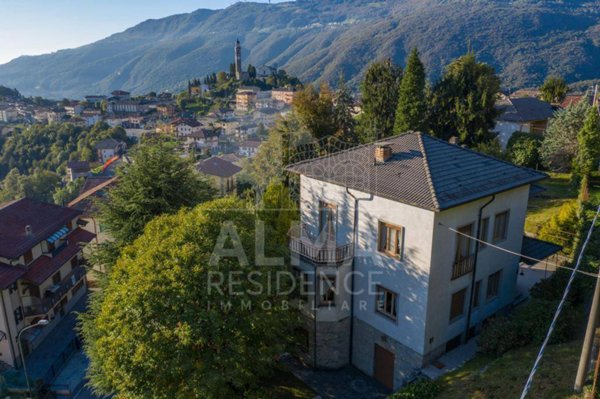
(41, 270)
(390, 278)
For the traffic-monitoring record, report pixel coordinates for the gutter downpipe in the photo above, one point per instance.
(354, 240)
(474, 272)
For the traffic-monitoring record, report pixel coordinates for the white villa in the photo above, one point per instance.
(396, 286)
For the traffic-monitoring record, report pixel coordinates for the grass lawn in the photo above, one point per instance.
(558, 191)
(486, 377)
(284, 385)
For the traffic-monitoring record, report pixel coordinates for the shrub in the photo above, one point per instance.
(523, 149)
(529, 323)
(563, 227)
(423, 389)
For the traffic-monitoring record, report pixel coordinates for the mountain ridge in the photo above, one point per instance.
(524, 40)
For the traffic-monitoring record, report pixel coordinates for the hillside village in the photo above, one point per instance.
(428, 228)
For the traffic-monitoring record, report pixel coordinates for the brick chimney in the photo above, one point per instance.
(383, 152)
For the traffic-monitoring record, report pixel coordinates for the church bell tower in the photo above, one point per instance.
(238, 60)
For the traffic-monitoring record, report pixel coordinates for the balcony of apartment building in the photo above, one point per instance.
(51, 276)
(322, 248)
(54, 297)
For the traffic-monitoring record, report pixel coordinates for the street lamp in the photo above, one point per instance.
(40, 323)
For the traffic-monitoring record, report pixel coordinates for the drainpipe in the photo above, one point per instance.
(354, 240)
(474, 273)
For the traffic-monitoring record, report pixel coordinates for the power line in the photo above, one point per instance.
(558, 309)
(487, 243)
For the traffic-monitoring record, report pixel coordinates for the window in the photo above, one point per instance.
(476, 292)
(12, 288)
(327, 220)
(493, 285)
(483, 233)
(386, 302)
(302, 283)
(457, 306)
(18, 312)
(463, 260)
(500, 226)
(28, 257)
(391, 239)
(56, 278)
(51, 247)
(327, 291)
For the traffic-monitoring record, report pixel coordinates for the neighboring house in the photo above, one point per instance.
(76, 169)
(249, 148)
(524, 114)
(186, 126)
(95, 100)
(74, 109)
(222, 173)
(92, 116)
(8, 115)
(388, 212)
(245, 100)
(94, 189)
(56, 115)
(285, 96)
(120, 95)
(41, 270)
(108, 148)
(205, 139)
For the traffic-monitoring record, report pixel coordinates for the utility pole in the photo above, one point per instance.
(584, 360)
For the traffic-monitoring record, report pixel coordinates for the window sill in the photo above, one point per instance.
(387, 317)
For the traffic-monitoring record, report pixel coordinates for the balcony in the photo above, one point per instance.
(462, 266)
(318, 250)
(41, 306)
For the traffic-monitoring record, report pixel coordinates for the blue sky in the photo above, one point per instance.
(32, 27)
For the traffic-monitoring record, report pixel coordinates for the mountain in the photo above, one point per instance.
(318, 39)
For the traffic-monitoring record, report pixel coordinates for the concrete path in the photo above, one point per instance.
(451, 360)
(346, 383)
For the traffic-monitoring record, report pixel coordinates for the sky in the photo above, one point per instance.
(31, 27)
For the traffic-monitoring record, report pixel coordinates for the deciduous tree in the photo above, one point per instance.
(201, 322)
(554, 89)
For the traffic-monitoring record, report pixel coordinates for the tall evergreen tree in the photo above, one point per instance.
(463, 101)
(379, 92)
(588, 152)
(342, 113)
(411, 113)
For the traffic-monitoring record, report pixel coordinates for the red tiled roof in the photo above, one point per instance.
(216, 166)
(44, 219)
(10, 274)
(44, 266)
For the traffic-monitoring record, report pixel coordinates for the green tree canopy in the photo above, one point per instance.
(463, 101)
(158, 181)
(343, 114)
(315, 110)
(588, 138)
(379, 95)
(554, 89)
(411, 113)
(560, 144)
(182, 333)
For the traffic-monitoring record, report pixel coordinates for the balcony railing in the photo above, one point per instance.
(53, 295)
(319, 250)
(462, 266)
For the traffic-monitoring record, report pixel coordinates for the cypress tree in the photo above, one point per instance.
(411, 113)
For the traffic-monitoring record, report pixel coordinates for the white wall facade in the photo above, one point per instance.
(422, 278)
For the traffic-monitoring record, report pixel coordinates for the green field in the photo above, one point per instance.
(486, 377)
(558, 191)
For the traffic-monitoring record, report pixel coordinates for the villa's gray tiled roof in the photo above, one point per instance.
(525, 109)
(423, 171)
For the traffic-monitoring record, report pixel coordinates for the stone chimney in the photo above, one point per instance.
(28, 231)
(383, 152)
(453, 140)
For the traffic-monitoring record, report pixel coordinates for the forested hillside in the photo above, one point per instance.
(525, 40)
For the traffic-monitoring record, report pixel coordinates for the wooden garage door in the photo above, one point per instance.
(384, 367)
